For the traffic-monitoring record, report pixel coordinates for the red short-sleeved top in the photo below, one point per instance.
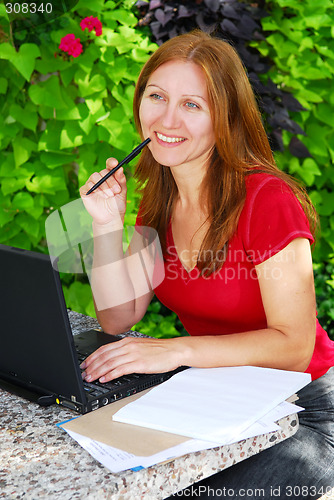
(229, 301)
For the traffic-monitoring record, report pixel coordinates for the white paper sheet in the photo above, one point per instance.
(214, 404)
(117, 460)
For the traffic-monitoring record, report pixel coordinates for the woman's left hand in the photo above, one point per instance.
(132, 355)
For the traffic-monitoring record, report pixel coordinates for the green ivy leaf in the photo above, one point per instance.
(27, 116)
(20, 240)
(94, 6)
(46, 183)
(325, 114)
(49, 93)
(5, 218)
(24, 60)
(10, 230)
(10, 185)
(125, 97)
(7, 51)
(67, 75)
(22, 148)
(69, 113)
(3, 12)
(30, 225)
(86, 163)
(310, 72)
(327, 203)
(318, 21)
(311, 166)
(92, 119)
(315, 140)
(139, 55)
(37, 210)
(123, 16)
(71, 136)
(22, 200)
(88, 86)
(56, 159)
(117, 70)
(285, 47)
(305, 96)
(94, 105)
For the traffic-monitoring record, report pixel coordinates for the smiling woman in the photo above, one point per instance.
(236, 236)
(213, 82)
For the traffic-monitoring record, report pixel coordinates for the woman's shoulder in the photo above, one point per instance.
(269, 196)
(272, 215)
(257, 179)
(266, 187)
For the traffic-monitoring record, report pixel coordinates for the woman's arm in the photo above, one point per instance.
(121, 282)
(287, 289)
(118, 281)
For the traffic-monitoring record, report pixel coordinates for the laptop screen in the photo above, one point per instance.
(37, 349)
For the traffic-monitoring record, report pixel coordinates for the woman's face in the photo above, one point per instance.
(174, 113)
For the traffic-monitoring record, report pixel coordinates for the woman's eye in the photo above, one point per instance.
(192, 105)
(156, 97)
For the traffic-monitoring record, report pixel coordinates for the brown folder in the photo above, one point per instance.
(140, 441)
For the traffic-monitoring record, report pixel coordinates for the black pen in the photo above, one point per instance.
(127, 159)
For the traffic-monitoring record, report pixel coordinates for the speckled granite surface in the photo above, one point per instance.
(39, 460)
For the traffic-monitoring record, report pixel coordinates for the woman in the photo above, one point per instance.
(235, 233)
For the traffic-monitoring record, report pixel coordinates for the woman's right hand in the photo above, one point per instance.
(108, 202)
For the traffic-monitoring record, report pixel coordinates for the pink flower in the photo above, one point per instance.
(92, 23)
(71, 45)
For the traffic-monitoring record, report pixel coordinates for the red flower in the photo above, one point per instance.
(92, 23)
(71, 45)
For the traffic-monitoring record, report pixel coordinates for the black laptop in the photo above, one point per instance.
(39, 356)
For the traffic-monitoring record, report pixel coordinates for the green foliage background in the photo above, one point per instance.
(61, 117)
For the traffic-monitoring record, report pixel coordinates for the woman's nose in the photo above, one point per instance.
(171, 118)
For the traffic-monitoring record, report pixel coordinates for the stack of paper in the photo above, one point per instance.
(195, 410)
(214, 404)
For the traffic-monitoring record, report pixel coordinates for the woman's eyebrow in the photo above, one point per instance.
(184, 95)
(155, 85)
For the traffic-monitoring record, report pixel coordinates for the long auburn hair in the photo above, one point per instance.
(241, 146)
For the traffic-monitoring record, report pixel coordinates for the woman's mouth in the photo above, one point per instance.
(168, 139)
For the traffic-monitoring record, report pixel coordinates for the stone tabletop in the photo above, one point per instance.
(40, 460)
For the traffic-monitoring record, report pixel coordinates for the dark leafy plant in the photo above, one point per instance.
(239, 23)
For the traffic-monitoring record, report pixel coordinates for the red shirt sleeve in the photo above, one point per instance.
(272, 218)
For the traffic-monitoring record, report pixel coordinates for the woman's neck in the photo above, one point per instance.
(188, 181)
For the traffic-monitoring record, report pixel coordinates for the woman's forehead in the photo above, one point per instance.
(185, 76)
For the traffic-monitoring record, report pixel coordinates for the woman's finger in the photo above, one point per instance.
(111, 163)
